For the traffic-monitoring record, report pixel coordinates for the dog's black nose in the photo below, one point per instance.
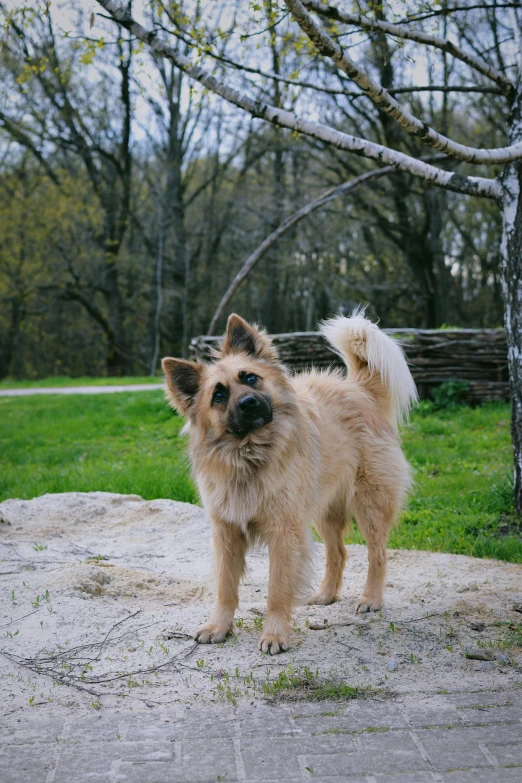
(249, 404)
(249, 413)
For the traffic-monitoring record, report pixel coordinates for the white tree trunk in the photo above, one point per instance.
(511, 250)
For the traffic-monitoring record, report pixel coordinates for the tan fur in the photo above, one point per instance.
(330, 452)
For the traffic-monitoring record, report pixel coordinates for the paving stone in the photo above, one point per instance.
(508, 753)
(202, 758)
(355, 717)
(393, 752)
(150, 772)
(341, 778)
(278, 757)
(98, 729)
(488, 707)
(192, 727)
(492, 714)
(386, 742)
(144, 750)
(167, 772)
(460, 748)
(314, 708)
(266, 721)
(25, 763)
(482, 776)
(481, 698)
(432, 711)
(87, 762)
(405, 777)
(376, 713)
(36, 730)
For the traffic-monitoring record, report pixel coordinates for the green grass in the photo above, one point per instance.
(306, 684)
(60, 380)
(125, 442)
(130, 443)
(462, 463)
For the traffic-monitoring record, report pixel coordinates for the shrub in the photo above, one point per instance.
(450, 394)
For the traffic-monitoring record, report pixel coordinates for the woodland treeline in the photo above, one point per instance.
(130, 197)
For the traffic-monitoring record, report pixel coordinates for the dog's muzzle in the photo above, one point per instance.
(250, 413)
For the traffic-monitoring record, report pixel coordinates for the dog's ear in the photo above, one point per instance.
(241, 337)
(183, 379)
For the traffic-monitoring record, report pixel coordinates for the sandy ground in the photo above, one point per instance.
(102, 592)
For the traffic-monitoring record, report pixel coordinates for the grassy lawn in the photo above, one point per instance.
(125, 442)
(60, 380)
(130, 443)
(462, 463)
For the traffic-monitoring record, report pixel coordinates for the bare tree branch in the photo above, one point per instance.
(446, 88)
(321, 88)
(400, 31)
(19, 135)
(447, 10)
(286, 225)
(382, 98)
(479, 186)
(516, 34)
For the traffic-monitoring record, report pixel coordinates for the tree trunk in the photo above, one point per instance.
(7, 347)
(174, 202)
(116, 358)
(271, 303)
(511, 268)
(435, 203)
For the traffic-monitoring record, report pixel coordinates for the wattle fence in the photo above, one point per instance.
(476, 356)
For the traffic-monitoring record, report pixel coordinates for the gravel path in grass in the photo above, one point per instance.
(131, 387)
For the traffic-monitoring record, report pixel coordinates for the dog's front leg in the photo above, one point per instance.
(230, 547)
(286, 550)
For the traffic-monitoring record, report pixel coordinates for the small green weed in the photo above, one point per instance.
(306, 684)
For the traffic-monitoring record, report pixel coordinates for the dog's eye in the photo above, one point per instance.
(220, 394)
(249, 378)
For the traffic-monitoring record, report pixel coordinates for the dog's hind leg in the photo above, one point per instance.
(375, 515)
(331, 530)
(230, 547)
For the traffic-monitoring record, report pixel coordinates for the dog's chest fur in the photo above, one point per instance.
(265, 482)
(235, 498)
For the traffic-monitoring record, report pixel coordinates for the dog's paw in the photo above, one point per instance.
(210, 633)
(273, 643)
(322, 599)
(366, 603)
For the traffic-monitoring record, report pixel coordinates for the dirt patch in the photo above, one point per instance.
(112, 581)
(101, 592)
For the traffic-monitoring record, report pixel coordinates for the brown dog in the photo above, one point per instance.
(274, 454)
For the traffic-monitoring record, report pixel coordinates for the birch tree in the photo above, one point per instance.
(500, 68)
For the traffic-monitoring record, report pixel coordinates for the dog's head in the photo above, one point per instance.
(237, 396)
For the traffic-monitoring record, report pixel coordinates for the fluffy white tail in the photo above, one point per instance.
(374, 360)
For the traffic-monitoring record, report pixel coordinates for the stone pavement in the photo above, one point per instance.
(453, 738)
